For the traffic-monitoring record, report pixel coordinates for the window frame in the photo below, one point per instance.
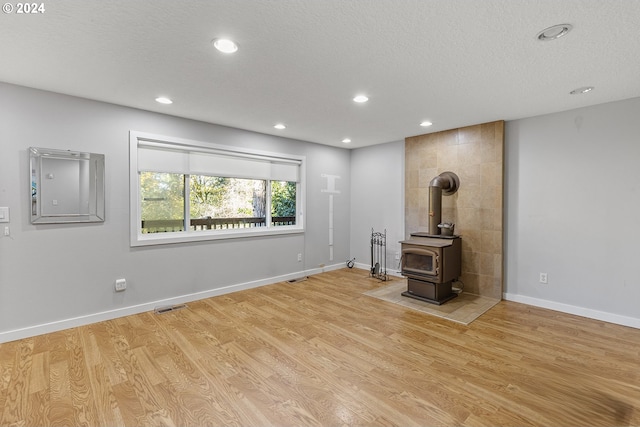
(137, 238)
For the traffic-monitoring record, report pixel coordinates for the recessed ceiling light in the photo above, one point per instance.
(360, 99)
(553, 33)
(426, 123)
(346, 140)
(225, 45)
(164, 100)
(581, 90)
(280, 126)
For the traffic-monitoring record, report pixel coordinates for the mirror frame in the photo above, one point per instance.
(96, 193)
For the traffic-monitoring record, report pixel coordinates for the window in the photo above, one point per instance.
(283, 207)
(187, 191)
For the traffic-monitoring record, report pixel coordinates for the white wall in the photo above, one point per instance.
(573, 209)
(56, 276)
(377, 200)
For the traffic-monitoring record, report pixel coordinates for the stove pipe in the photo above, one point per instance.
(446, 183)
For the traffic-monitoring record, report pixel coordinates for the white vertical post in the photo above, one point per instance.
(331, 189)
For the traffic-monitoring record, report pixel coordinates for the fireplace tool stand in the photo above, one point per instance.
(379, 255)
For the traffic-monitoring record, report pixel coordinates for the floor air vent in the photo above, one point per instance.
(167, 308)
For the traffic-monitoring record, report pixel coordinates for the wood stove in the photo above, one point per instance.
(431, 263)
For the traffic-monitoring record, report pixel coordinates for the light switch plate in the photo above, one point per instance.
(4, 214)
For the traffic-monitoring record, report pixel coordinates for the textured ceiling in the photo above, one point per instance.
(453, 62)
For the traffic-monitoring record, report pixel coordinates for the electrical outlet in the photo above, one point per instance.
(543, 278)
(397, 255)
(121, 285)
(299, 257)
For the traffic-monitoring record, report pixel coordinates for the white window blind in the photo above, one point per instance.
(156, 159)
(161, 157)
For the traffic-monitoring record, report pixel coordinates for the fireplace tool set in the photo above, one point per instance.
(379, 255)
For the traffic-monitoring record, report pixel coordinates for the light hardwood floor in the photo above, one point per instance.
(321, 353)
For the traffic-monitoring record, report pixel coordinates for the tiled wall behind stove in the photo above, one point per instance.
(475, 154)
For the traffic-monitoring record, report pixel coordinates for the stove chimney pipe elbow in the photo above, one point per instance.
(446, 183)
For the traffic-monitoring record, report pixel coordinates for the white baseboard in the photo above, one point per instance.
(572, 309)
(367, 267)
(318, 270)
(60, 325)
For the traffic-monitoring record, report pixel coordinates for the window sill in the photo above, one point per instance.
(207, 235)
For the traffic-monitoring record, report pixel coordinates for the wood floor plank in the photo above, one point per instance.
(82, 398)
(321, 353)
(38, 409)
(106, 335)
(188, 379)
(17, 396)
(61, 413)
(128, 404)
(152, 404)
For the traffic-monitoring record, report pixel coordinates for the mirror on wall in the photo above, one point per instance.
(66, 186)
